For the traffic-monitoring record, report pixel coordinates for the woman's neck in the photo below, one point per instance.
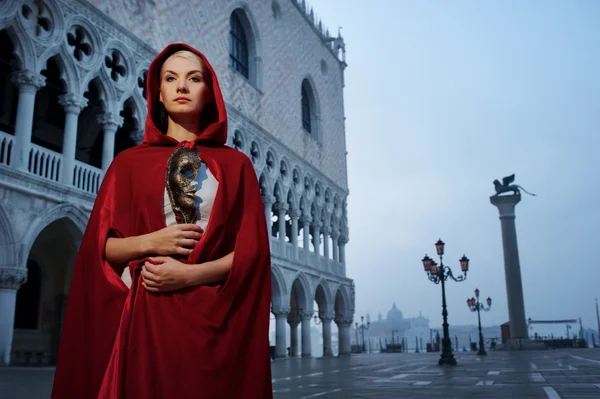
(183, 131)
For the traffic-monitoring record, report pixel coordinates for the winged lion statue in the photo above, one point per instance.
(506, 186)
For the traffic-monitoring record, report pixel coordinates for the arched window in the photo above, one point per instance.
(306, 122)
(238, 46)
(27, 309)
(310, 110)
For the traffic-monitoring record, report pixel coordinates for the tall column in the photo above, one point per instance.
(28, 83)
(336, 253)
(343, 242)
(73, 104)
(268, 201)
(293, 336)
(111, 123)
(306, 317)
(325, 231)
(305, 220)
(280, 339)
(316, 226)
(281, 210)
(294, 215)
(512, 268)
(326, 322)
(344, 324)
(11, 278)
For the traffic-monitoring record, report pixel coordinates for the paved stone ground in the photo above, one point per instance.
(540, 374)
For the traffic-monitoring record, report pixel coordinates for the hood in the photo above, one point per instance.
(214, 118)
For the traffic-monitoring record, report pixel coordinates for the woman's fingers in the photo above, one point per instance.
(188, 243)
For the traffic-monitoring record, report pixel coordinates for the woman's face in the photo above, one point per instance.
(184, 87)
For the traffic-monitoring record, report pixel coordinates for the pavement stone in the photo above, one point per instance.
(548, 374)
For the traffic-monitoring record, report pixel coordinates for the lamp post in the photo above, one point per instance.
(477, 306)
(439, 274)
(362, 327)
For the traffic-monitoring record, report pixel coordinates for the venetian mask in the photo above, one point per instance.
(182, 170)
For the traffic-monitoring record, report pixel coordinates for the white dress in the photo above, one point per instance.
(206, 190)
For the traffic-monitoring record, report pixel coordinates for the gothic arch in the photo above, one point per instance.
(308, 89)
(68, 70)
(69, 211)
(304, 292)
(342, 304)
(23, 49)
(291, 200)
(279, 291)
(265, 184)
(324, 286)
(243, 12)
(8, 256)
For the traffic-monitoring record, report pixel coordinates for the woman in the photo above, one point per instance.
(171, 288)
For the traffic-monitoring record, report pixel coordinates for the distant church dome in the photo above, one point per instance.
(394, 314)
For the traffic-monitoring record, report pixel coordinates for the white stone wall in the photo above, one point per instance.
(290, 50)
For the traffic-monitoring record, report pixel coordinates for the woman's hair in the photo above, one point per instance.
(209, 114)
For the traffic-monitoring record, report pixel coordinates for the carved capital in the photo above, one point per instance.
(28, 80)
(280, 312)
(72, 103)
(343, 321)
(327, 317)
(12, 277)
(280, 207)
(317, 226)
(295, 214)
(268, 199)
(305, 315)
(110, 120)
(305, 219)
(344, 239)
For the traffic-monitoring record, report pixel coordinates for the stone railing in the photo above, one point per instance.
(303, 257)
(44, 163)
(6, 146)
(86, 177)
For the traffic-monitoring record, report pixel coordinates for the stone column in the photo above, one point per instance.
(268, 201)
(73, 104)
(294, 215)
(11, 278)
(28, 83)
(344, 324)
(316, 236)
(137, 136)
(306, 318)
(325, 231)
(305, 220)
(280, 319)
(111, 123)
(326, 322)
(293, 322)
(334, 238)
(512, 269)
(343, 242)
(281, 210)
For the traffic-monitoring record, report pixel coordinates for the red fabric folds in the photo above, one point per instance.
(201, 342)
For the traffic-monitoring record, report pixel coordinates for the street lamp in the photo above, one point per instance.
(477, 306)
(362, 327)
(439, 274)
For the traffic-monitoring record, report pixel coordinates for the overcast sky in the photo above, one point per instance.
(443, 97)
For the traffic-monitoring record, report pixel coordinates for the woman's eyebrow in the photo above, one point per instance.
(189, 73)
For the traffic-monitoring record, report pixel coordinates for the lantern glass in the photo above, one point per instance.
(489, 301)
(477, 292)
(426, 263)
(464, 264)
(439, 247)
(433, 270)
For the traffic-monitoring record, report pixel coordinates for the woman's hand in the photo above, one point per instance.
(178, 239)
(165, 274)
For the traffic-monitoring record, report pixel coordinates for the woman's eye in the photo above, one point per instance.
(196, 79)
(170, 78)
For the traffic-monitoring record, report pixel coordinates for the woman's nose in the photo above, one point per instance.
(182, 85)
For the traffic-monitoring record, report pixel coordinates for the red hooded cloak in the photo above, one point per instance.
(201, 342)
